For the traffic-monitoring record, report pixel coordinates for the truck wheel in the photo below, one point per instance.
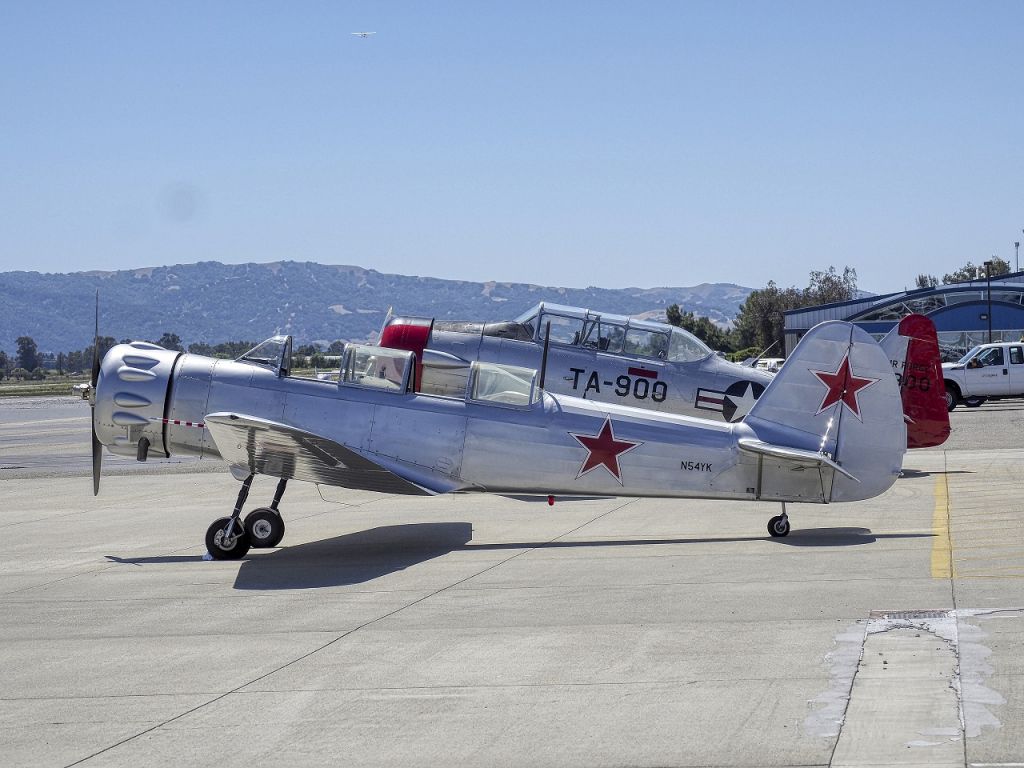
(952, 397)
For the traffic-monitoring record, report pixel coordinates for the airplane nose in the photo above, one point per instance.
(131, 393)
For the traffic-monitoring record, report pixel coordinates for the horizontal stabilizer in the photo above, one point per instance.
(799, 457)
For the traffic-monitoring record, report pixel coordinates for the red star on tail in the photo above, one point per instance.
(604, 450)
(843, 387)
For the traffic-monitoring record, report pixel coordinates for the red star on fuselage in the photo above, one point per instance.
(843, 387)
(604, 450)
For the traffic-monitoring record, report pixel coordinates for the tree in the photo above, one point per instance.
(336, 348)
(926, 281)
(972, 272)
(829, 287)
(760, 321)
(28, 357)
(60, 362)
(171, 341)
(701, 327)
(5, 364)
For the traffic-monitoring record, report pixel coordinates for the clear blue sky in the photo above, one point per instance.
(562, 143)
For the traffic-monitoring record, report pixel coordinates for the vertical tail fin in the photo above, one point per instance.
(836, 395)
(913, 350)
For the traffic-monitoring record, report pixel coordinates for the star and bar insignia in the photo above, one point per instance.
(843, 387)
(604, 450)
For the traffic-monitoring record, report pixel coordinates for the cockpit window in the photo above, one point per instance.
(275, 352)
(646, 343)
(564, 330)
(377, 367)
(530, 323)
(504, 384)
(605, 337)
(684, 347)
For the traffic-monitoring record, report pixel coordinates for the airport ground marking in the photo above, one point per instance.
(942, 548)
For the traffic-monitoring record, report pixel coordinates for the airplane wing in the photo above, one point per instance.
(268, 448)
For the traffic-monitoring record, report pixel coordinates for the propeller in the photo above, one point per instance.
(97, 446)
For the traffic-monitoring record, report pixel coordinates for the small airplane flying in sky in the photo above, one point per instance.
(828, 428)
(363, 35)
(617, 359)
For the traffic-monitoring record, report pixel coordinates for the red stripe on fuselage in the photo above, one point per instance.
(643, 372)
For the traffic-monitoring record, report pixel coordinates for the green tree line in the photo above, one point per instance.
(29, 363)
(760, 321)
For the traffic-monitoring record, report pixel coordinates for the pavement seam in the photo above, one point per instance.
(956, 613)
(328, 644)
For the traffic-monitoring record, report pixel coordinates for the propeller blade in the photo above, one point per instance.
(96, 346)
(97, 446)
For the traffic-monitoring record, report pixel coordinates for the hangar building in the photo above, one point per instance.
(960, 312)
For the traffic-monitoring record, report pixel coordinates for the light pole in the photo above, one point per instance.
(988, 287)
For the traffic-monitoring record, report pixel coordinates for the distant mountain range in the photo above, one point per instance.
(215, 302)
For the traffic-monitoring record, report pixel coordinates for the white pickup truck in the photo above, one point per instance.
(987, 372)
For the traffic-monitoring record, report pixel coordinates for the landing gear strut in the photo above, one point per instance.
(778, 526)
(229, 538)
(226, 538)
(265, 525)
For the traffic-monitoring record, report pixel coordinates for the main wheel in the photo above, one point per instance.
(974, 402)
(265, 527)
(220, 548)
(952, 397)
(778, 526)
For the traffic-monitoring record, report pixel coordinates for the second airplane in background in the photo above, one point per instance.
(617, 359)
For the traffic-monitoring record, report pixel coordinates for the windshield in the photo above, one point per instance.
(274, 352)
(963, 360)
(684, 347)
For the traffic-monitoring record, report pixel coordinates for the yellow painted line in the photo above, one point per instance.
(942, 548)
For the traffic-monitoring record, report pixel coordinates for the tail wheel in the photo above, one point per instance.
(952, 397)
(974, 402)
(779, 526)
(224, 547)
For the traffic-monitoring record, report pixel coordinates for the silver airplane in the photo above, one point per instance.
(606, 358)
(617, 359)
(828, 428)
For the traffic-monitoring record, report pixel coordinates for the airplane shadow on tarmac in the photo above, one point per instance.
(359, 557)
(356, 558)
(909, 474)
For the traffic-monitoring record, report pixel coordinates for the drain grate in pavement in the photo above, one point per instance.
(911, 615)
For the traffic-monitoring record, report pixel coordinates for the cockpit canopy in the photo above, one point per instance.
(614, 334)
(274, 353)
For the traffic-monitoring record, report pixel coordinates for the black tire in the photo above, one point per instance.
(974, 402)
(952, 396)
(215, 541)
(778, 526)
(265, 528)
